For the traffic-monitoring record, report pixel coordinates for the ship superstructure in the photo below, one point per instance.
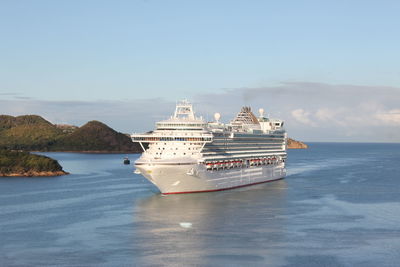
(186, 154)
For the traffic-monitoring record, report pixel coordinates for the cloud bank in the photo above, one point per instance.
(312, 111)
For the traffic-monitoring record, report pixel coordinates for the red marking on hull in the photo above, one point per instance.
(222, 189)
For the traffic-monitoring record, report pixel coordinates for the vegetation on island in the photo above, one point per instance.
(18, 163)
(33, 133)
(95, 136)
(28, 132)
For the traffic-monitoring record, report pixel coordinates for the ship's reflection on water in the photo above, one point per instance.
(212, 228)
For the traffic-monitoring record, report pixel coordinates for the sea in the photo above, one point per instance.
(338, 206)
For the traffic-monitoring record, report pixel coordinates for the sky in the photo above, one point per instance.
(330, 69)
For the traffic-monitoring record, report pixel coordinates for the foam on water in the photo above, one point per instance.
(185, 224)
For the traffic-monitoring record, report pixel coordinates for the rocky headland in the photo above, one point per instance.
(293, 144)
(24, 164)
(34, 174)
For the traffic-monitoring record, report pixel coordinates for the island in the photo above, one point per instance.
(293, 144)
(19, 163)
(34, 133)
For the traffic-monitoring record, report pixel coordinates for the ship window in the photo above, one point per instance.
(174, 153)
(184, 153)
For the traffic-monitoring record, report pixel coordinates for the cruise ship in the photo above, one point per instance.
(186, 154)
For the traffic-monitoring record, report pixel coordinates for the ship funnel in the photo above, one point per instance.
(261, 111)
(217, 116)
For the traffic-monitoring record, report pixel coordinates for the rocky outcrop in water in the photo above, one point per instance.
(293, 144)
(17, 163)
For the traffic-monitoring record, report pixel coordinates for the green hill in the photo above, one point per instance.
(33, 133)
(29, 132)
(13, 163)
(95, 136)
(7, 122)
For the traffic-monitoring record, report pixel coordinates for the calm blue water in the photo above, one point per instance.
(339, 206)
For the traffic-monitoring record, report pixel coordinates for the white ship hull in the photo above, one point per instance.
(185, 154)
(193, 178)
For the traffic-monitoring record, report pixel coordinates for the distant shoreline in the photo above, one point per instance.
(35, 174)
(89, 152)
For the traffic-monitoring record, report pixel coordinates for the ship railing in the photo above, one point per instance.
(150, 138)
(242, 162)
(154, 138)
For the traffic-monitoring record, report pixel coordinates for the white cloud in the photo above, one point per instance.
(390, 117)
(325, 114)
(302, 116)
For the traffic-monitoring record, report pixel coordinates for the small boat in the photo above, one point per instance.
(127, 161)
